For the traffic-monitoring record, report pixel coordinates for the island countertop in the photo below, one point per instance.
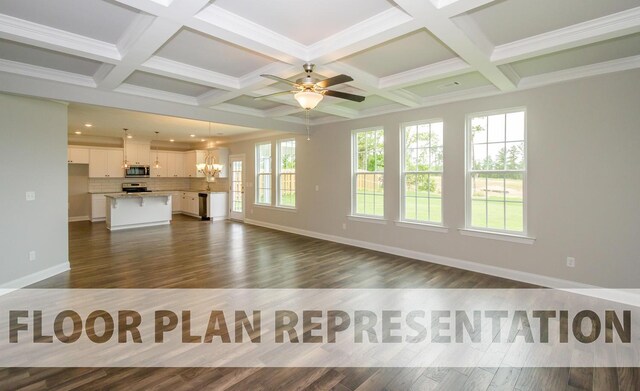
(139, 195)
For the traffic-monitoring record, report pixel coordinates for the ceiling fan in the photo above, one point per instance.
(309, 91)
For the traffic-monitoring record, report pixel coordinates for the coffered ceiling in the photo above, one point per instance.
(202, 59)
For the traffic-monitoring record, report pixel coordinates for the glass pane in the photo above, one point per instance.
(480, 156)
(515, 156)
(435, 183)
(410, 208)
(496, 128)
(495, 187)
(410, 137)
(424, 136)
(435, 210)
(496, 158)
(436, 162)
(410, 188)
(514, 187)
(479, 186)
(378, 183)
(379, 205)
(515, 213)
(478, 213)
(515, 126)
(479, 129)
(423, 208)
(360, 203)
(423, 185)
(411, 156)
(495, 215)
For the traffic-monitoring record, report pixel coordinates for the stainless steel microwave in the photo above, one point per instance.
(137, 172)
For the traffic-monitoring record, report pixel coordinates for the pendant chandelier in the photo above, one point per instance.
(209, 168)
(156, 164)
(125, 162)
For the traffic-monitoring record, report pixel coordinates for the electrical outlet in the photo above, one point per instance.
(344, 226)
(32, 255)
(571, 262)
(31, 196)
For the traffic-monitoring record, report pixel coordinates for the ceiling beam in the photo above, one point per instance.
(452, 8)
(457, 40)
(439, 70)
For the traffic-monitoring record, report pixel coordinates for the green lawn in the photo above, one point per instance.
(484, 214)
(288, 199)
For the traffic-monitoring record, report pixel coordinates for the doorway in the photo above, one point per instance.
(236, 191)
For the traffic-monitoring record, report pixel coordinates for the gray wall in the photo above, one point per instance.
(583, 182)
(33, 157)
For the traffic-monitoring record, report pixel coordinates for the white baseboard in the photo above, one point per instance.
(33, 278)
(622, 296)
(79, 218)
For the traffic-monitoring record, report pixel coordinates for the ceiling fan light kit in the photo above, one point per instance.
(309, 91)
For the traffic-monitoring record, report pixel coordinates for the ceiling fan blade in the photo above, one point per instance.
(332, 81)
(344, 95)
(281, 80)
(274, 94)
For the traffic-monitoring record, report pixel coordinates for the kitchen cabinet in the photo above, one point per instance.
(138, 153)
(106, 163)
(175, 165)
(76, 155)
(161, 172)
(189, 203)
(176, 202)
(99, 206)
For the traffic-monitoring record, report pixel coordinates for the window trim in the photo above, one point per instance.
(401, 218)
(258, 174)
(278, 173)
(469, 229)
(354, 162)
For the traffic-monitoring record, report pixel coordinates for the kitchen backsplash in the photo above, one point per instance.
(158, 184)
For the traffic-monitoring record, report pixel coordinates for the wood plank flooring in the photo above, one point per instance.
(194, 254)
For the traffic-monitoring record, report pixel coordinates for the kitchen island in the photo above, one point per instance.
(136, 210)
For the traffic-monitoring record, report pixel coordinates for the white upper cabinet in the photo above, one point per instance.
(175, 164)
(138, 153)
(77, 155)
(106, 163)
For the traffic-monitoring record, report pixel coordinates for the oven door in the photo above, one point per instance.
(137, 172)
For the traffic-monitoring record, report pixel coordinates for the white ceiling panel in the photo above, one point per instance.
(202, 51)
(411, 51)
(248, 101)
(103, 20)
(450, 84)
(510, 20)
(148, 80)
(303, 21)
(585, 55)
(370, 102)
(47, 58)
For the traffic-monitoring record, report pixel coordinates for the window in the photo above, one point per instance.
(368, 172)
(422, 165)
(496, 171)
(263, 173)
(286, 184)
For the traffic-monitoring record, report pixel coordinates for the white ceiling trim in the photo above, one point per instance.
(607, 27)
(241, 109)
(156, 94)
(452, 8)
(181, 71)
(54, 39)
(446, 68)
(451, 35)
(19, 68)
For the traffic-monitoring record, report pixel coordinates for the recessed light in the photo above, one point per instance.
(192, 135)
(202, 140)
(129, 136)
(88, 125)
(172, 140)
(77, 132)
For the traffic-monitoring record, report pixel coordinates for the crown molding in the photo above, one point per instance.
(177, 70)
(156, 94)
(607, 27)
(54, 39)
(446, 68)
(20, 68)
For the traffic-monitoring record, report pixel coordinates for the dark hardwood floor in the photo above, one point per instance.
(193, 254)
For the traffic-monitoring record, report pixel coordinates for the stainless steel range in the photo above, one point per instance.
(139, 187)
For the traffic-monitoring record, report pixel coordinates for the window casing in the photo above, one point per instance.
(368, 173)
(263, 174)
(286, 174)
(496, 171)
(422, 165)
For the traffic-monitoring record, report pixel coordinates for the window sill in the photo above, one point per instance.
(422, 226)
(367, 219)
(286, 209)
(497, 236)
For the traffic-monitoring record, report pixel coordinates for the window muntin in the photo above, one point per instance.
(286, 181)
(368, 173)
(422, 167)
(496, 171)
(263, 173)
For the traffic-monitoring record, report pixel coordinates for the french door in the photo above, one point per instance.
(236, 190)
